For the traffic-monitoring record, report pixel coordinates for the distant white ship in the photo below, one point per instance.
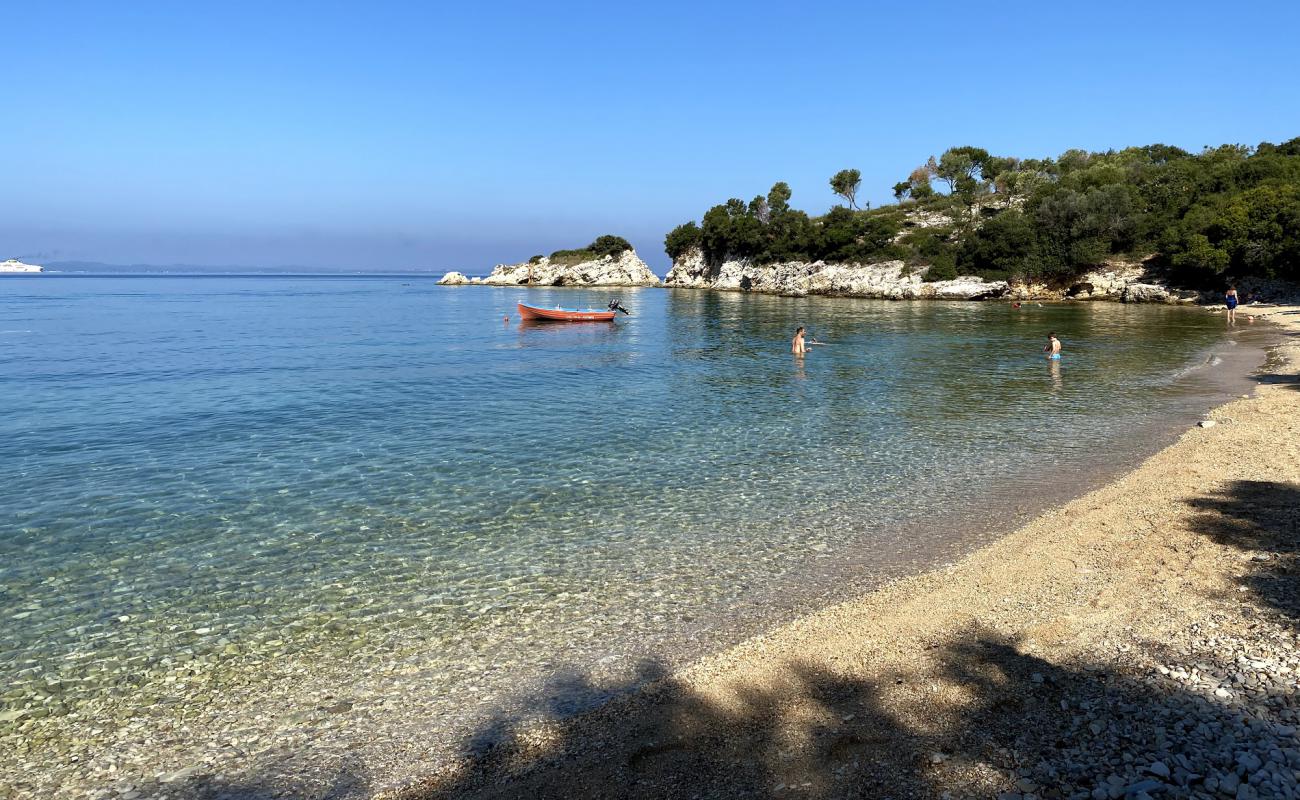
(14, 265)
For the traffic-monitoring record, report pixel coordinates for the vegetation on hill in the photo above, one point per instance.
(603, 246)
(1226, 211)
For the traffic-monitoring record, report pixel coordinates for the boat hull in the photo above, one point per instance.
(563, 314)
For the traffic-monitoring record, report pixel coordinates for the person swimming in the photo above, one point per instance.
(1053, 347)
(1230, 300)
(797, 346)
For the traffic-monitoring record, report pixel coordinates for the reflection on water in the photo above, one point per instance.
(349, 472)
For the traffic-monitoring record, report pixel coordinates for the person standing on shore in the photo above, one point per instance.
(1053, 348)
(797, 346)
(1230, 300)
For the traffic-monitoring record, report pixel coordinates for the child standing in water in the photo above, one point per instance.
(797, 346)
(1230, 300)
(1053, 348)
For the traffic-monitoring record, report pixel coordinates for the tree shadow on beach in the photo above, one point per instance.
(1262, 520)
(1273, 372)
(1274, 379)
(990, 720)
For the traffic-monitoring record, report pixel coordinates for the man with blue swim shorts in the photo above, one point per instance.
(1053, 348)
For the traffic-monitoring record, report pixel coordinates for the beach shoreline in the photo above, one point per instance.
(1099, 650)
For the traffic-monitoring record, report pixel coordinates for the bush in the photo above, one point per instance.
(926, 245)
(601, 247)
(943, 269)
(1006, 245)
(856, 236)
(609, 246)
(681, 239)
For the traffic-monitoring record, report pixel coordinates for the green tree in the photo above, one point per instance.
(941, 270)
(1196, 254)
(995, 165)
(958, 163)
(845, 235)
(1005, 245)
(1081, 228)
(919, 182)
(609, 245)
(602, 246)
(845, 183)
(778, 198)
(1072, 160)
(901, 189)
(681, 239)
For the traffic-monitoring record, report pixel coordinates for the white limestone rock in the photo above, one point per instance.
(454, 279)
(1157, 293)
(886, 280)
(1108, 281)
(1128, 281)
(627, 269)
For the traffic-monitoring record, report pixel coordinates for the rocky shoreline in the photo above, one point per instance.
(1122, 281)
(1116, 281)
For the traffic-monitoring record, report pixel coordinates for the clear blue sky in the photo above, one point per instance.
(427, 135)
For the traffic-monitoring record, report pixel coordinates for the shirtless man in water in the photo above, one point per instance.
(1053, 348)
(797, 346)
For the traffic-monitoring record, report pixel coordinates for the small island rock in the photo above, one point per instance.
(625, 269)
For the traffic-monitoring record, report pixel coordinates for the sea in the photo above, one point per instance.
(243, 493)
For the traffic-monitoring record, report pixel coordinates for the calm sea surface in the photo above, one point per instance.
(231, 471)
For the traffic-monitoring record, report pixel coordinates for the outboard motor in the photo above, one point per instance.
(615, 305)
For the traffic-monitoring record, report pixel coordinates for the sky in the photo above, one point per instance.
(422, 135)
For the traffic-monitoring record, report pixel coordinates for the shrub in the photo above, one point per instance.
(601, 247)
(943, 269)
(1006, 245)
(609, 245)
(681, 239)
(926, 245)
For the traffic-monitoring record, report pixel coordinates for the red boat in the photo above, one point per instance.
(568, 314)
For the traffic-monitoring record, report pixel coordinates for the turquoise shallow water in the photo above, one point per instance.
(228, 469)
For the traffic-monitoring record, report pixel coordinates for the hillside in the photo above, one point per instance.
(1199, 220)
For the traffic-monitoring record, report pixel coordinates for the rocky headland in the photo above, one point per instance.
(624, 269)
